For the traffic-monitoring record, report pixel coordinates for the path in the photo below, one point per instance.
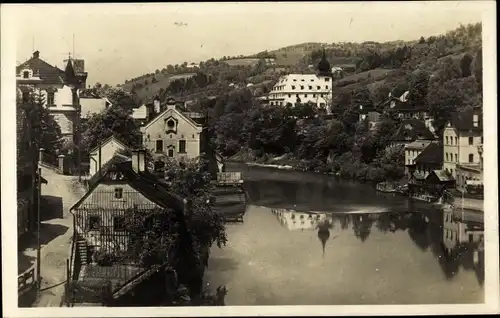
(59, 194)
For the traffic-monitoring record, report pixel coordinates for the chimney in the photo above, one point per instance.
(475, 120)
(36, 54)
(139, 160)
(156, 105)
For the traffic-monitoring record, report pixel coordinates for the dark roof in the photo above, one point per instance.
(116, 159)
(464, 120)
(145, 183)
(45, 71)
(412, 129)
(442, 175)
(432, 154)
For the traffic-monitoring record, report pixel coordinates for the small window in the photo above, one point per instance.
(446, 140)
(446, 156)
(302, 80)
(456, 140)
(481, 139)
(297, 95)
(293, 86)
(171, 124)
(118, 223)
(159, 146)
(305, 95)
(327, 79)
(456, 157)
(118, 193)
(310, 87)
(314, 95)
(50, 98)
(301, 87)
(318, 87)
(26, 74)
(471, 158)
(471, 141)
(289, 95)
(171, 152)
(182, 146)
(94, 223)
(294, 79)
(326, 87)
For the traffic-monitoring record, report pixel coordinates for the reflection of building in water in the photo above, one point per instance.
(295, 220)
(457, 232)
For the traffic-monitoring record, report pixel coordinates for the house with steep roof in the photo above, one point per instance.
(58, 88)
(463, 139)
(126, 196)
(171, 133)
(92, 103)
(104, 152)
(409, 131)
(412, 151)
(428, 160)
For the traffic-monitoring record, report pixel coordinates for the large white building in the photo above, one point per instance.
(301, 88)
(304, 88)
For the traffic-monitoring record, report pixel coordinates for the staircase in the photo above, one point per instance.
(81, 249)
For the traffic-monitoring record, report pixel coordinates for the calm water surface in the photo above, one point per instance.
(310, 240)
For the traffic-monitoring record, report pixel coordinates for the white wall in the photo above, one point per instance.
(108, 150)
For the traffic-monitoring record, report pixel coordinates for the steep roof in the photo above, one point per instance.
(145, 183)
(464, 120)
(412, 129)
(116, 159)
(105, 141)
(442, 175)
(433, 154)
(42, 69)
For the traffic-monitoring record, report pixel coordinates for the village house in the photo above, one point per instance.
(103, 152)
(412, 151)
(121, 192)
(371, 116)
(171, 133)
(410, 130)
(59, 89)
(92, 104)
(463, 138)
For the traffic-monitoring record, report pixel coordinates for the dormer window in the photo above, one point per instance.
(26, 74)
(171, 124)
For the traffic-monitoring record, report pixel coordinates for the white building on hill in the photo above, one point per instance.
(304, 88)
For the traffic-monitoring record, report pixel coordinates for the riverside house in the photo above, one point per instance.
(411, 130)
(106, 255)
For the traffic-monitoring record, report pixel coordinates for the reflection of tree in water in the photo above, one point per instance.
(362, 225)
(417, 230)
(324, 232)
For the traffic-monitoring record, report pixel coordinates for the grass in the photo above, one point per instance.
(242, 62)
(153, 89)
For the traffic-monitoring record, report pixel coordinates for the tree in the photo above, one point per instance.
(418, 89)
(157, 71)
(44, 130)
(422, 40)
(115, 120)
(465, 65)
(478, 69)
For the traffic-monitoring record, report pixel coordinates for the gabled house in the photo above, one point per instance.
(463, 139)
(60, 89)
(370, 115)
(412, 151)
(409, 131)
(103, 152)
(92, 103)
(173, 134)
(126, 193)
(429, 159)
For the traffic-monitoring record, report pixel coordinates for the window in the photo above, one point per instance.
(471, 141)
(171, 124)
(159, 146)
(294, 80)
(297, 95)
(293, 86)
(305, 95)
(456, 140)
(118, 193)
(318, 87)
(289, 95)
(301, 87)
(26, 97)
(326, 87)
(456, 157)
(327, 79)
(446, 156)
(171, 152)
(94, 223)
(50, 98)
(314, 95)
(310, 87)
(446, 140)
(302, 80)
(471, 158)
(26, 74)
(481, 139)
(118, 223)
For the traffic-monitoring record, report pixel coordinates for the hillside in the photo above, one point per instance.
(378, 66)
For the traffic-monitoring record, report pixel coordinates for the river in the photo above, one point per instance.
(308, 239)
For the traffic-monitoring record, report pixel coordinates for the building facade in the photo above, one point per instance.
(102, 153)
(170, 133)
(462, 138)
(412, 151)
(59, 89)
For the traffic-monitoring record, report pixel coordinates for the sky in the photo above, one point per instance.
(122, 41)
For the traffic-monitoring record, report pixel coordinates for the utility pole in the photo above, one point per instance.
(38, 245)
